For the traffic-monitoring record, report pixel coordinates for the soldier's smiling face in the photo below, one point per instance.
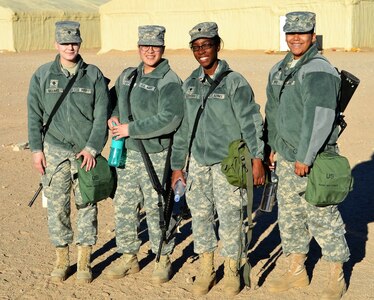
(299, 43)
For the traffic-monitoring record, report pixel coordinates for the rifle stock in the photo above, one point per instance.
(349, 84)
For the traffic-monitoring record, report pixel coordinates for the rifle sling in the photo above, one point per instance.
(147, 160)
(58, 103)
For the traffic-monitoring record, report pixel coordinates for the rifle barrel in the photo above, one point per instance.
(36, 195)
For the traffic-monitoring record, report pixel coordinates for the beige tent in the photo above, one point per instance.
(243, 24)
(29, 25)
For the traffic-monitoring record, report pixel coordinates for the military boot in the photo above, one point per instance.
(62, 265)
(162, 271)
(84, 273)
(231, 279)
(295, 276)
(206, 279)
(125, 265)
(336, 286)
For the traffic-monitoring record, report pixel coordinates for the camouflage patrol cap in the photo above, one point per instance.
(204, 30)
(68, 32)
(299, 22)
(151, 35)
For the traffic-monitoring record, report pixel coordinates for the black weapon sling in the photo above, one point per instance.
(157, 185)
(58, 103)
(46, 126)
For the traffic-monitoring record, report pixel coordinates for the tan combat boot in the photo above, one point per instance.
(125, 265)
(62, 265)
(295, 276)
(84, 273)
(207, 277)
(336, 286)
(231, 279)
(162, 271)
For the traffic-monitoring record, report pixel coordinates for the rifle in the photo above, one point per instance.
(174, 214)
(165, 195)
(349, 84)
(36, 195)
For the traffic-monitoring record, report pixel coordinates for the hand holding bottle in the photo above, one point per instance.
(116, 157)
(179, 184)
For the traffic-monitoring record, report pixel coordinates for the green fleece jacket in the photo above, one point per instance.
(81, 120)
(156, 105)
(301, 105)
(230, 113)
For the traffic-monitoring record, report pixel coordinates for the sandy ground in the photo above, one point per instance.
(27, 257)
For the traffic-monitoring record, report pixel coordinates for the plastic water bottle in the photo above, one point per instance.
(179, 190)
(116, 159)
(269, 195)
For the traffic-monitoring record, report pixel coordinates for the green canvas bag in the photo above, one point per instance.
(98, 183)
(330, 179)
(234, 164)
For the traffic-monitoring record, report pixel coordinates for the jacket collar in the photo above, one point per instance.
(56, 66)
(162, 68)
(308, 55)
(200, 75)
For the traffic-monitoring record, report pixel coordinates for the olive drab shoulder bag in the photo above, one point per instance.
(330, 179)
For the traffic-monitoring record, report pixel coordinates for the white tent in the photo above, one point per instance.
(243, 24)
(30, 25)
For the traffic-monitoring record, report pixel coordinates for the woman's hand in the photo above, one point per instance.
(112, 120)
(258, 172)
(39, 161)
(120, 131)
(176, 175)
(301, 169)
(88, 160)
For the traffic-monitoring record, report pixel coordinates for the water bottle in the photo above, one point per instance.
(116, 159)
(179, 190)
(270, 193)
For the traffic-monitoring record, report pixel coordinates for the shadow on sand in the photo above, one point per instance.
(357, 212)
(185, 231)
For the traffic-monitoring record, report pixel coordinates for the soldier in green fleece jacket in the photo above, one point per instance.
(231, 113)
(78, 130)
(302, 95)
(157, 109)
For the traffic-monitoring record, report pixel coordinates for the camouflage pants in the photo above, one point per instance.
(299, 220)
(208, 192)
(134, 187)
(57, 183)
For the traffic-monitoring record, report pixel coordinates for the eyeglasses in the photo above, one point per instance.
(205, 46)
(154, 48)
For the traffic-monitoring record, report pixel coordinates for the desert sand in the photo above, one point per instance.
(27, 256)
